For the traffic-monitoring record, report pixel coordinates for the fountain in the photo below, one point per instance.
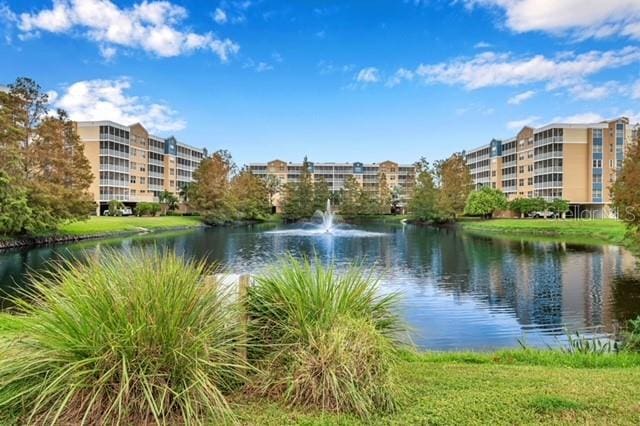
(327, 217)
(324, 223)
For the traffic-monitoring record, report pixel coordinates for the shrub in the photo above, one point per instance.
(631, 337)
(131, 339)
(144, 209)
(323, 340)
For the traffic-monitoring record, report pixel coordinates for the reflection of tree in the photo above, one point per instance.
(626, 298)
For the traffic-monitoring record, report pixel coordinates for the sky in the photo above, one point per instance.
(339, 81)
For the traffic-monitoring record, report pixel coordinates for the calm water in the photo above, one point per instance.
(459, 291)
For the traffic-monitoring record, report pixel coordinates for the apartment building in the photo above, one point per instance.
(400, 178)
(131, 165)
(577, 162)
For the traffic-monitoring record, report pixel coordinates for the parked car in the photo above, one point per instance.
(123, 212)
(542, 215)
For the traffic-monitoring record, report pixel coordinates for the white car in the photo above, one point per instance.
(123, 212)
(542, 215)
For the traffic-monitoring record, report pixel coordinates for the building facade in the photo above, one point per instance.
(575, 162)
(400, 178)
(132, 166)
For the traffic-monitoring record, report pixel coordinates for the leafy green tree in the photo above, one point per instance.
(168, 201)
(211, 190)
(384, 195)
(298, 199)
(350, 198)
(455, 184)
(115, 208)
(321, 194)
(485, 201)
(423, 204)
(185, 192)
(525, 206)
(15, 214)
(559, 206)
(626, 191)
(251, 196)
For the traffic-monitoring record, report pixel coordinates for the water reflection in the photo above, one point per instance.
(459, 290)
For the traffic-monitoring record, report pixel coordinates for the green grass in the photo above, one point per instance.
(323, 339)
(510, 387)
(604, 231)
(124, 339)
(109, 225)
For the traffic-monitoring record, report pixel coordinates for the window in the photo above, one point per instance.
(172, 183)
(521, 182)
(142, 169)
(597, 164)
(530, 181)
(132, 180)
(610, 163)
(142, 180)
(597, 178)
(521, 169)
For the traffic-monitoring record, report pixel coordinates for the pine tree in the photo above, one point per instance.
(384, 195)
(321, 194)
(455, 184)
(210, 193)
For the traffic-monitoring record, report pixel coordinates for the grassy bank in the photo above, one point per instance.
(606, 231)
(111, 225)
(513, 387)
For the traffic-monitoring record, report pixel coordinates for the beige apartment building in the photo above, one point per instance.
(577, 162)
(400, 178)
(131, 165)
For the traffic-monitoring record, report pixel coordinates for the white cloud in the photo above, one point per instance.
(399, 76)
(635, 90)
(328, 67)
(502, 69)
(585, 117)
(521, 97)
(519, 124)
(579, 18)
(108, 52)
(263, 66)
(589, 92)
(220, 16)
(153, 26)
(368, 75)
(93, 100)
(482, 45)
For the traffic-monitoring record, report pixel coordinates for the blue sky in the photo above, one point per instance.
(334, 80)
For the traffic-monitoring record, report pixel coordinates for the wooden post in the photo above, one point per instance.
(243, 289)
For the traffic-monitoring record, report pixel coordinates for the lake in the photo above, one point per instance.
(459, 291)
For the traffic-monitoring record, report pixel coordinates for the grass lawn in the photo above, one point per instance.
(517, 387)
(108, 225)
(595, 231)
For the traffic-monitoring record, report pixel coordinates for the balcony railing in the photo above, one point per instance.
(114, 153)
(545, 185)
(114, 182)
(114, 168)
(545, 170)
(548, 155)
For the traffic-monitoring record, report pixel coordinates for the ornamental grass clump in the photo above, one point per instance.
(142, 338)
(323, 339)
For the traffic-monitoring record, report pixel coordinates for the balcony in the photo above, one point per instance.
(113, 168)
(548, 155)
(156, 175)
(114, 183)
(114, 153)
(155, 162)
(545, 170)
(546, 185)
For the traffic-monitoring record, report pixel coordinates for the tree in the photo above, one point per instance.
(59, 174)
(559, 207)
(298, 199)
(15, 214)
(526, 206)
(211, 190)
(384, 195)
(185, 191)
(350, 199)
(423, 203)
(115, 208)
(455, 184)
(31, 106)
(485, 201)
(626, 191)
(273, 185)
(168, 201)
(321, 194)
(251, 196)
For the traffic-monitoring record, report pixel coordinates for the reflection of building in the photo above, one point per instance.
(130, 165)
(400, 178)
(576, 162)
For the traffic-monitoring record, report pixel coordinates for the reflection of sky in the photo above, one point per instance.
(457, 291)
